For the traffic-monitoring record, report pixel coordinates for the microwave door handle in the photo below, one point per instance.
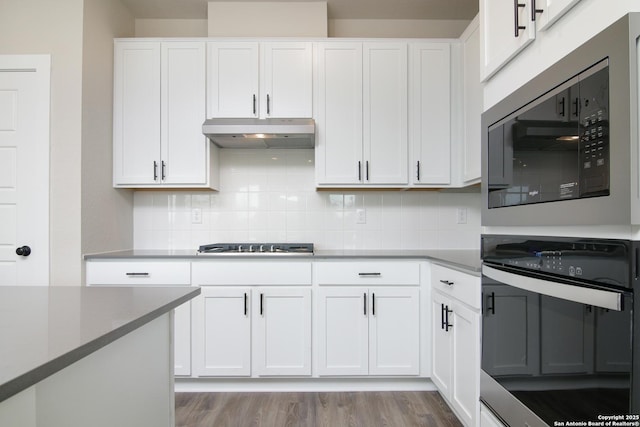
(596, 297)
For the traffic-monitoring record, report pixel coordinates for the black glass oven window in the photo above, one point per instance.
(556, 150)
(564, 360)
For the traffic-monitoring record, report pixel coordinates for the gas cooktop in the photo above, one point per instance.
(256, 249)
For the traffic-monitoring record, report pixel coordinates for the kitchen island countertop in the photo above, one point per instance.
(44, 329)
(467, 260)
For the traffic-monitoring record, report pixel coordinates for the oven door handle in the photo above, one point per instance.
(600, 298)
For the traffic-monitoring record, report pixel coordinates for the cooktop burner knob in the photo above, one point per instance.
(239, 248)
(272, 249)
(261, 248)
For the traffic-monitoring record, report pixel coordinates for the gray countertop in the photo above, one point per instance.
(465, 259)
(44, 329)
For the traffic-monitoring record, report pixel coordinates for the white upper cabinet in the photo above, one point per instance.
(430, 121)
(232, 89)
(506, 28)
(250, 79)
(159, 108)
(136, 113)
(385, 113)
(472, 104)
(287, 80)
(551, 10)
(339, 113)
(362, 114)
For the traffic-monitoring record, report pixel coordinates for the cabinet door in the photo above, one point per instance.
(282, 331)
(505, 349)
(385, 113)
(505, 29)
(472, 105)
(612, 344)
(339, 113)
(232, 79)
(567, 336)
(222, 332)
(442, 345)
(551, 11)
(343, 332)
(394, 331)
(431, 113)
(136, 113)
(184, 150)
(288, 80)
(182, 339)
(465, 395)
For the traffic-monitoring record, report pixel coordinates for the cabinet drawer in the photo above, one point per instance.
(251, 273)
(367, 273)
(136, 273)
(462, 286)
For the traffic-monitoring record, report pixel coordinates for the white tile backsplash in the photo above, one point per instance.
(269, 195)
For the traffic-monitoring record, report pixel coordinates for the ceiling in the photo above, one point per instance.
(337, 9)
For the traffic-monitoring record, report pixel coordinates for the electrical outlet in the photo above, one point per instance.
(361, 216)
(461, 215)
(196, 216)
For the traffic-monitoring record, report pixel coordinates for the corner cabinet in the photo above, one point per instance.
(159, 108)
(456, 340)
(361, 114)
(260, 80)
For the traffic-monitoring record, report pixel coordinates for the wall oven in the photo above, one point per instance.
(558, 329)
(563, 148)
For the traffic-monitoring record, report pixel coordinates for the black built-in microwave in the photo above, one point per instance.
(554, 148)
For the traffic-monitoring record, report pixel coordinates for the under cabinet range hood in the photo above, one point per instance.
(260, 133)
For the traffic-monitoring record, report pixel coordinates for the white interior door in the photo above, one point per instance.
(24, 169)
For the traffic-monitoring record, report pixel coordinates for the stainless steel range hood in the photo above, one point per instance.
(260, 133)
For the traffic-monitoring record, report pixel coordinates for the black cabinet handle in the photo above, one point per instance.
(365, 303)
(576, 105)
(516, 19)
(492, 307)
(23, 251)
(245, 303)
(447, 282)
(369, 274)
(164, 168)
(254, 104)
(373, 304)
(562, 102)
(261, 304)
(268, 105)
(447, 325)
(367, 170)
(535, 11)
(359, 170)
(137, 274)
(155, 170)
(418, 170)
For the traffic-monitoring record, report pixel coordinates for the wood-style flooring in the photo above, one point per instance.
(310, 409)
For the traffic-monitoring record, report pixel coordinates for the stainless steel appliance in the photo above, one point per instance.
(559, 329)
(260, 133)
(259, 249)
(561, 149)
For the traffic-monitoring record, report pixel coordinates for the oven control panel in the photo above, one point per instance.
(606, 261)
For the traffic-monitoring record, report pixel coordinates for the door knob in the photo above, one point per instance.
(23, 251)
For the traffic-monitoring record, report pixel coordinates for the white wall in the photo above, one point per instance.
(581, 23)
(394, 28)
(171, 28)
(107, 220)
(269, 195)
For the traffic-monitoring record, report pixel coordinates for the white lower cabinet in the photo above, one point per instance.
(456, 346)
(368, 331)
(252, 319)
(252, 331)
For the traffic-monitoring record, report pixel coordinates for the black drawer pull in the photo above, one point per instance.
(137, 274)
(447, 282)
(369, 274)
